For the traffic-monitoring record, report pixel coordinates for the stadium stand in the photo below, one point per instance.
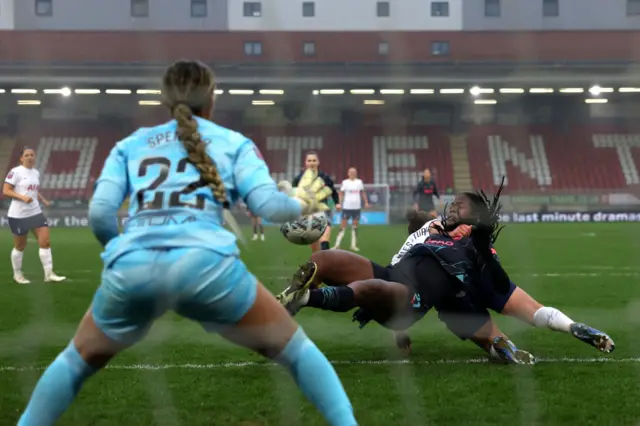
(533, 159)
(70, 155)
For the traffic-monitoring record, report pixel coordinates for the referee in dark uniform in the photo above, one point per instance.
(313, 162)
(424, 192)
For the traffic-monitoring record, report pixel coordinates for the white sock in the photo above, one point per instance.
(339, 237)
(354, 239)
(553, 319)
(47, 261)
(16, 261)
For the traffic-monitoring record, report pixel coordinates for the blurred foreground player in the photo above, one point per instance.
(312, 163)
(352, 195)
(186, 171)
(22, 185)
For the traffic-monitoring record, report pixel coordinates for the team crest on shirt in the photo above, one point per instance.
(10, 175)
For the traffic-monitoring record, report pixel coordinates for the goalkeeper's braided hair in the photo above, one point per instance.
(188, 87)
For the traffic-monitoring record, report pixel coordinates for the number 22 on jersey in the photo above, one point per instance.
(159, 196)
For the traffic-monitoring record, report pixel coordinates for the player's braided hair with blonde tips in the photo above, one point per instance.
(187, 88)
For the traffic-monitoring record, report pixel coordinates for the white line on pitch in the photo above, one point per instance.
(577, 274)
(76, 279)
(223, 365)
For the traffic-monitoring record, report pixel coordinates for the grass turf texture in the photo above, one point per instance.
(591, 272)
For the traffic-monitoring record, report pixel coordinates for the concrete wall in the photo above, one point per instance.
(114, 15)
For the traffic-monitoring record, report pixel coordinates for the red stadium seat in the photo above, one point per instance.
(534, 159)
(69, 155)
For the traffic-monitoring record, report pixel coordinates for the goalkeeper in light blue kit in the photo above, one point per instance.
(174, 253)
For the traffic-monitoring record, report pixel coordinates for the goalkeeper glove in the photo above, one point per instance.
(285, 186)
(310, 192)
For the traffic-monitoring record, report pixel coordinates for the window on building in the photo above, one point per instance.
(44, 7)
(492, 8)
(308, 9)
(309, 48)
(440, 8)
(383, 48)
(384, 9)
(252, 9)
(550, 8)
(633, 7)
(198, 8)
(139, 8)
(440, 48)
(252, 48)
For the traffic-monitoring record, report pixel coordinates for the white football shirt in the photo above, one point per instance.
(25, 182)
(417, 237)
(352, 199)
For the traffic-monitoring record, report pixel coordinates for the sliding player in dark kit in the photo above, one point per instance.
(466, 209)
(399, 296)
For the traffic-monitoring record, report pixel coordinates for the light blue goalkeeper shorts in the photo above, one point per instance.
(202, 285)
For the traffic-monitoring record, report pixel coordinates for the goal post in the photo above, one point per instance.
(379, 197)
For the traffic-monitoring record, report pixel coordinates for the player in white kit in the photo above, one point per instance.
(22, 185)
(351, 196)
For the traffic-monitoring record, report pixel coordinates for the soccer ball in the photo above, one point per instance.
(306, 230)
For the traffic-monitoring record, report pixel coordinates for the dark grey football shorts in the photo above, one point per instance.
(351, 214)
(22, 226)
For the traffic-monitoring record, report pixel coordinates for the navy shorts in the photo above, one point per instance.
(380, 272)
(351, 214)
(459, 307)
(22, 226)
(414, 309)
(489, 297)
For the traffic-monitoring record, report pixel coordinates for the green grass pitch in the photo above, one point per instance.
(181, 376)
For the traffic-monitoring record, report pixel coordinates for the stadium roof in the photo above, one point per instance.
(73, 57)
(296, 74)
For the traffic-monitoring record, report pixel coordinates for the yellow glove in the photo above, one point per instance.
(311, 192)
(285, 186)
